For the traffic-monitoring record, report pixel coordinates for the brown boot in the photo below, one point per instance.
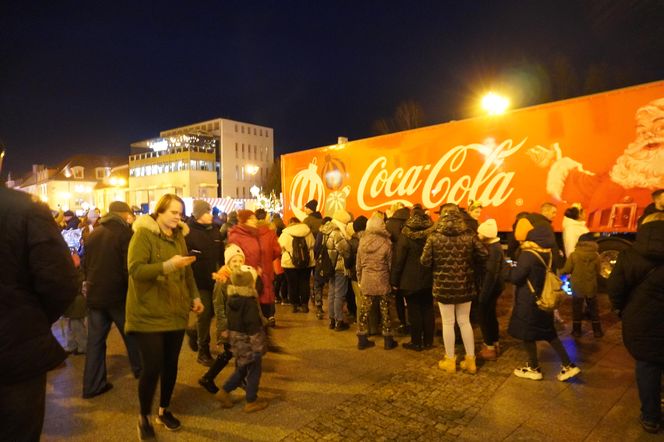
(488, 353)
(224, 399)
(257, 405)
(468, 364)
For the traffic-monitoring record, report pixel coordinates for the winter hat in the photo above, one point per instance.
(68, 213)
(488, 229)
(375, 223)
(342, 216)
(360, 224)
(119, 207)
(244, 215)
(312, 205)
(200, 208)
(231, 251)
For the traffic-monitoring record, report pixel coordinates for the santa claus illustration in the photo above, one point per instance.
(615, 198)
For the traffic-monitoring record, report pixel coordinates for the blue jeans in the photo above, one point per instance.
(250, 372)
(649, 382)
(337, 295)
(99, 325)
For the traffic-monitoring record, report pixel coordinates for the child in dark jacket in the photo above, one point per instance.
(491, 288)
(246, 334)
(583, 267)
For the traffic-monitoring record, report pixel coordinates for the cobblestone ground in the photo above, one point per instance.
(421, 401)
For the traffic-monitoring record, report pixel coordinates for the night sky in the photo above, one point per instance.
(95, 76)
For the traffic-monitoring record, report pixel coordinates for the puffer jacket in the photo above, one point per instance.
(37, 284)
(450, 252)
(408, 273)
(337, 243)
(374, 258)
(157, 301)
(583, 267)
(636, 289)
(299, 230)
(528, 322)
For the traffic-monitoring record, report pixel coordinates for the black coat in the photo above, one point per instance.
(528, 322)
(105, 263)
(37, 284)
(394, 224)
(492, 279)
(636, 288)
(408, 273)
(207, 240)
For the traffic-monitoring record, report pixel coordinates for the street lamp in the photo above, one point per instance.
(251, 169)
(495, 104)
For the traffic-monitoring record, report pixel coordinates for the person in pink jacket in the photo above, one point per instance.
(260, 247)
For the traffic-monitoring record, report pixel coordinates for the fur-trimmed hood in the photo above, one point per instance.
(149, 223)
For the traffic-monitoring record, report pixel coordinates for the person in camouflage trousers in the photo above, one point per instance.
(374, 259)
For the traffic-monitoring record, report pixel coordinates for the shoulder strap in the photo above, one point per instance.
(548, 266)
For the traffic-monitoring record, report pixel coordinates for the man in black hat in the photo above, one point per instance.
(106, 276)
(313, 219)
(38, 284)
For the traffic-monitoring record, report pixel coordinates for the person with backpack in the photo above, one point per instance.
(529, 322)
(297, 259)
(583, 267)
(636, 291)
(330, 265)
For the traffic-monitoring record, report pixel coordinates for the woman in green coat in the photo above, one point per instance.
(161, 292)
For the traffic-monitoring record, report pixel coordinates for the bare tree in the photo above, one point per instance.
(408, 115)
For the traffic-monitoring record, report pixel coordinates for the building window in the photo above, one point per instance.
(237, 192)
(216, 125)
(236, 150)
(244, 193)
(237, 172)
(77, 171)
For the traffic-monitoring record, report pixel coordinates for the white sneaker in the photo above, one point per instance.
(528, 372)
(567, 372)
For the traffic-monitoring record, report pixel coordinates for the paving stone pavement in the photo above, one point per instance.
(323, 388)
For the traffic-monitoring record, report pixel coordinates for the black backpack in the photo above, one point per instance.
(324, 268)
(300, 253)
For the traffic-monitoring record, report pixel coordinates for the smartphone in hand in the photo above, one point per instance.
(194, 252)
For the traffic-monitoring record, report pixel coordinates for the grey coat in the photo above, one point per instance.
(374, 258)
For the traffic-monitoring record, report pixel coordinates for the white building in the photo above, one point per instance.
(245, 153)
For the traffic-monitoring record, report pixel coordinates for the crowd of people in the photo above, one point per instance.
(153, 274)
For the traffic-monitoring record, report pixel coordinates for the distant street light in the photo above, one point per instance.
(495, 104)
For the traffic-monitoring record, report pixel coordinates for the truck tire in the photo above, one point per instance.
(609, 248)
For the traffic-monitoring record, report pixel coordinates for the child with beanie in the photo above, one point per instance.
(583, 267)
(491, 288)
(246, 334)
(234, 259)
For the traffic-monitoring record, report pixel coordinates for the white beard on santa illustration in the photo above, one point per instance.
(642, 163)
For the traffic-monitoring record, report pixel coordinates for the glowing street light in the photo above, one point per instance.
(495, 104)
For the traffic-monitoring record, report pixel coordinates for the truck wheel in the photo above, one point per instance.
(609, 248)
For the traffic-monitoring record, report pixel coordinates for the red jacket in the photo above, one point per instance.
(260, 247)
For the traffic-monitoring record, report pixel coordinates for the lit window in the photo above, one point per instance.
(77, 171)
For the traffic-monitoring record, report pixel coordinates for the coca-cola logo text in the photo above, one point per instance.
(490, 185)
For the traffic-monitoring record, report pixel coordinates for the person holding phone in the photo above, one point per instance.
(203, 242)
(161, 292)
